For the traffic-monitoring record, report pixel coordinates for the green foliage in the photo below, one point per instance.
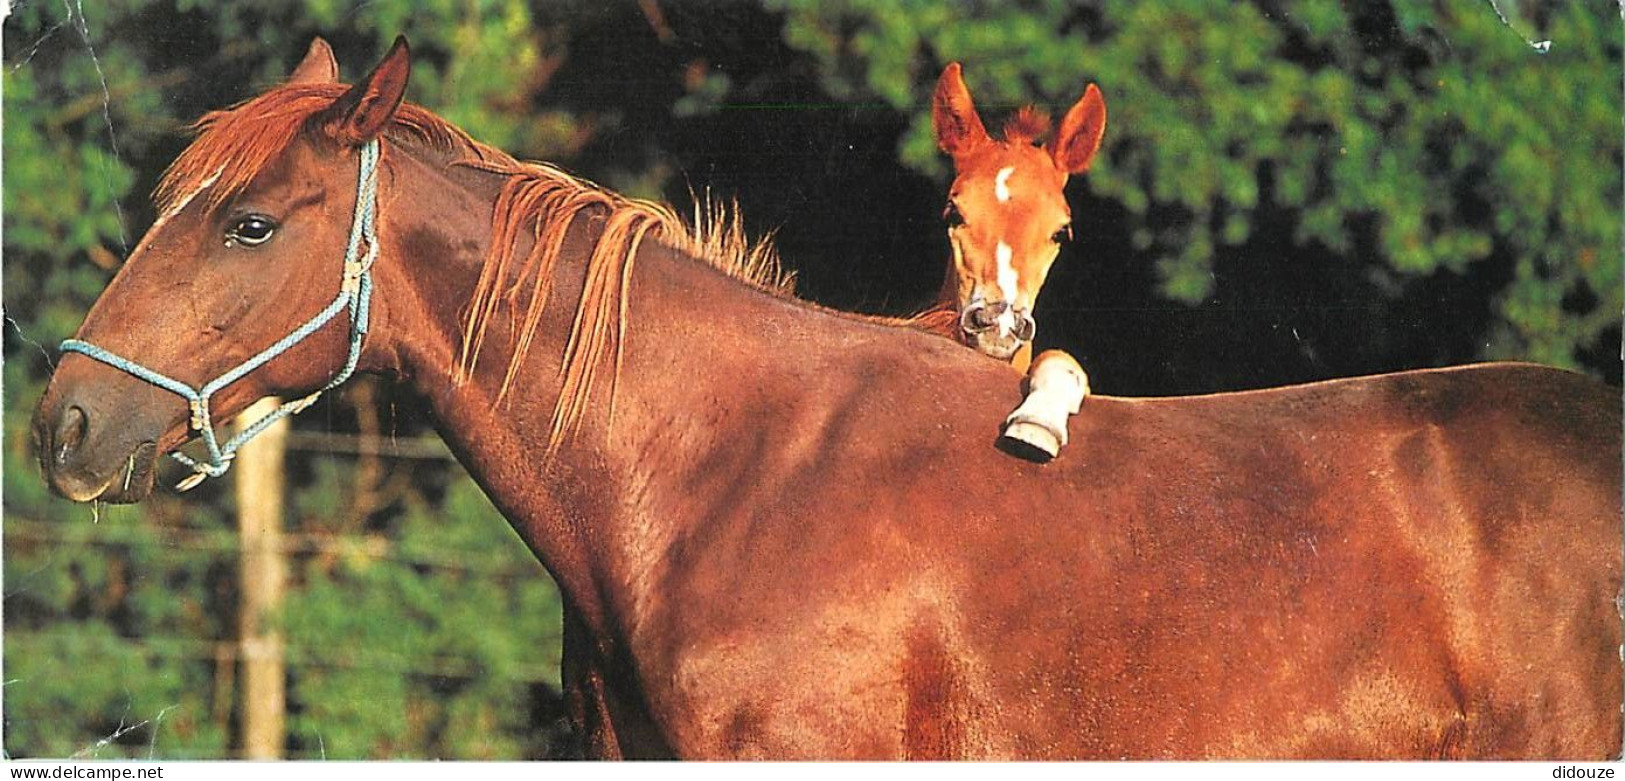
(105, 590)
(1413, 138)
(424, 670)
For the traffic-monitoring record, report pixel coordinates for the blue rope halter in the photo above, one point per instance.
(355, 291)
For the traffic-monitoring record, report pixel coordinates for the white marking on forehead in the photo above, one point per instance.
(152, 232)
(1001, 183)
(1007, 273)
(181, 204)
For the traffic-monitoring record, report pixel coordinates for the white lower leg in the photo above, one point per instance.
(1056, 389)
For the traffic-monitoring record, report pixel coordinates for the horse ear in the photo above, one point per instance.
(953, 114)
(366, 109)
(318, 67)
(1075, 145)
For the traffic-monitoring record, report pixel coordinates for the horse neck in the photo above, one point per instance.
(581, 509)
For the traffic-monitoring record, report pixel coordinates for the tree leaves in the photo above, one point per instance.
(1432, 133)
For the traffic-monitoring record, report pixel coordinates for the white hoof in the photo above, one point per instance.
(1056, 388)
(1031, 441)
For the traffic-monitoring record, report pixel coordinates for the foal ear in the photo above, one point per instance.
(318, 67)
(953, 115)
(366, 109)
(1075, 145)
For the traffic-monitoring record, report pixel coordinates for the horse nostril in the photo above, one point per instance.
(1026, 329)
(70, 432)
(982, 317)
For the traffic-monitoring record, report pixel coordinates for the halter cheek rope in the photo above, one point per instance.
(355, 290)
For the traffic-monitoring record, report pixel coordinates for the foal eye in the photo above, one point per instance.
(1062, 235)
(952, 216)
(251, 231)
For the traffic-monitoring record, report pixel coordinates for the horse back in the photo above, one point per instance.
(1413, 565)
(1511, 479)
(1443, 545)
(1424, 564)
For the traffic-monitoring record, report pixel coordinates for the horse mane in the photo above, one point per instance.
(942, 320)
(1028, 125)
(235, 144)
(548, 200)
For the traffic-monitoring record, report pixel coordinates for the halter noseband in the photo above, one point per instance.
(355, 291)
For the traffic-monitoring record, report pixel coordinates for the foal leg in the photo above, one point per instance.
(1056, 386)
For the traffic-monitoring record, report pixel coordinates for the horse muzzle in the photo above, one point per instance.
(996, 328)
(87, 453)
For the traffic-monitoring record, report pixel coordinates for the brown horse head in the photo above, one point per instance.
(1006, 213)
(249, 245)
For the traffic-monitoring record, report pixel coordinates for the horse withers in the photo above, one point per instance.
(823, 560)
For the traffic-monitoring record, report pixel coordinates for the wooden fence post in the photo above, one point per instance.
(263, 575)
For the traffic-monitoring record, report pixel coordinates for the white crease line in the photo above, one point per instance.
(107, 108)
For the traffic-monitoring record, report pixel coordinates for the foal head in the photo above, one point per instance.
(250, 244)
(1006, 213)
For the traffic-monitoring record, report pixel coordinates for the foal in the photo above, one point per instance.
(1007, 216)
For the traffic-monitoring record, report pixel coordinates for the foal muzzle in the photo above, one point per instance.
(997, 328)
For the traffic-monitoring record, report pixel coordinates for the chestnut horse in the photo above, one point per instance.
(1007, 218)
(779, 529)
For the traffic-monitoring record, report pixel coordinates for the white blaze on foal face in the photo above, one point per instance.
(1007, 274)
(1009, 285)
(1007, 213)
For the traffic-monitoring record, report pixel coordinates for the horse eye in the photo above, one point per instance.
(251, 231)
(952, 216)
(1062, 235)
